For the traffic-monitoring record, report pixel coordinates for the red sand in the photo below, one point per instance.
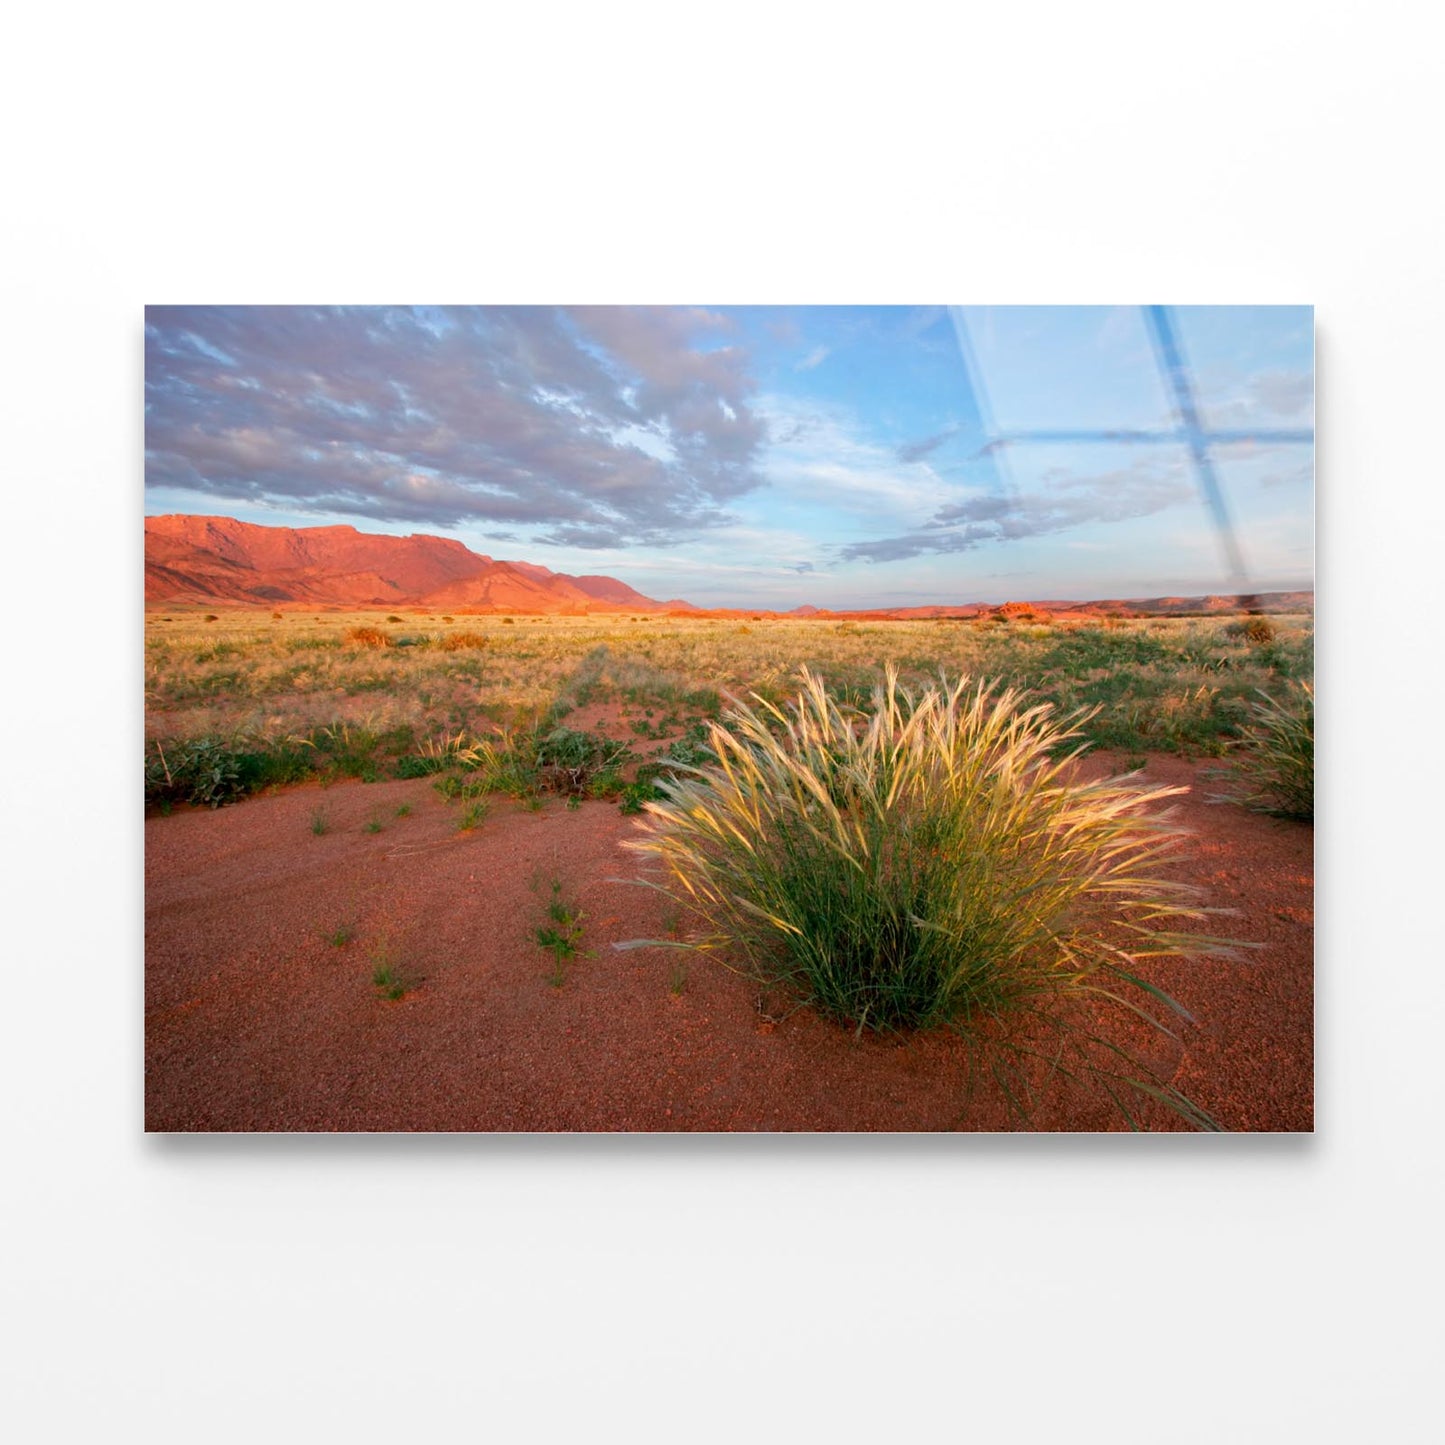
(255, 1021)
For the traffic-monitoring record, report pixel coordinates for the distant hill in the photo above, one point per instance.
(203, 561)
(1107, 607)
(206, 560)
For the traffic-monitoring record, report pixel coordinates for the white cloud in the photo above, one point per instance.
(650, 440)
(1265, 399)
(817, 455)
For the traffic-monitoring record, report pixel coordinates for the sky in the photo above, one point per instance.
(771, 457)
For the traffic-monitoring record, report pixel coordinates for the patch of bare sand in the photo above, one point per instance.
(255, 1020)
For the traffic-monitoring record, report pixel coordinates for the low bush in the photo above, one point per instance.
(636, 795)
(462, 641)
(687, 754)
(605, 783)
(1272, 769)
(367, 637)
(205, 772)
(931, 860)
(347, 750)
(274, 765)
(568, 761)
(417, 767)
(211, 771)
(1257, 630)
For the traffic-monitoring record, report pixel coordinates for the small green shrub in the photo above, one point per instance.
(320, 823)
(932, 860)
(606, 783)
(205, 772)
(691, 750)
(634, 796)
(211, 771)
(567, 761)
(706, 700)
(273, 766)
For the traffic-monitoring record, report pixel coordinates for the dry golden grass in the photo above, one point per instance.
(462, 641)
(1164, 684)
(368, 637)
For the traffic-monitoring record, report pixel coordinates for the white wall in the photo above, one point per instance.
(516, 1289)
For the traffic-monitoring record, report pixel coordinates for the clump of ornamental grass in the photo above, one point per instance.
(932, 859)
(461, 641)
(367, 637)
(1273, 765)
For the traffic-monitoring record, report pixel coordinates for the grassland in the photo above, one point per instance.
(253, 699)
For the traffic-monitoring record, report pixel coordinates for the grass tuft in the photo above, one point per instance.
(931, 860)
(389, 979)
(473, 816)
(561, 935)
(367, 637)
(1273, 767)
(1255, 630)
(463, 641)
(389, 983)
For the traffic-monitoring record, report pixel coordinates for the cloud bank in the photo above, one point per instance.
(1064, 500)
(597, 426)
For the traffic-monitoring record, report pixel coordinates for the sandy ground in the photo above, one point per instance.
(256, 1020)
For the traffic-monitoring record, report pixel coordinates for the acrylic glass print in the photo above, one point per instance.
(729, 718)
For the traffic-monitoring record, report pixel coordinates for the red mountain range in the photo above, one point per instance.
(206, 560)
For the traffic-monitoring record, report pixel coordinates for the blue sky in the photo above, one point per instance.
(845, 456)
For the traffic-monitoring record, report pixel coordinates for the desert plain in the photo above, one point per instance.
(355, 938)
